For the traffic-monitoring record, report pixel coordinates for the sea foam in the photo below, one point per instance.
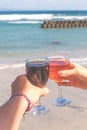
(82, 61)
(10, 66)
(33, 18)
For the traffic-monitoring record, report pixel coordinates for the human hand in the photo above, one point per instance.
(22, 85)
(77, 76)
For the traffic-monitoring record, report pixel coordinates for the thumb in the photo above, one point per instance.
(44, 91)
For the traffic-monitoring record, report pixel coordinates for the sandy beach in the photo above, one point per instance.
(72, 117)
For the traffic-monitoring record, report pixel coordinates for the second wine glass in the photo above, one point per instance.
(57, 63)
(37, 71)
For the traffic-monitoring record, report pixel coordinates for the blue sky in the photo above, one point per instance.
(44, 4)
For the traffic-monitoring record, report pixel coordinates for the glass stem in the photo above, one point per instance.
(39, 102)
(60, 92)
(60, 95)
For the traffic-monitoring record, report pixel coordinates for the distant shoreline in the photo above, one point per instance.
(16, 10)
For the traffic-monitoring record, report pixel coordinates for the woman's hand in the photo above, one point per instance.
(77, 77)
(22, 85)
(13, 110)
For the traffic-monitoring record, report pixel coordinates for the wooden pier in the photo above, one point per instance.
(64, 24)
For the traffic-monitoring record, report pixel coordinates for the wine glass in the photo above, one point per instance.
(37, 71)
(57, 63)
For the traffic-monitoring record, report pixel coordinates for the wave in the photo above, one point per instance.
(82, 61)
(38, 18)
(70, 17)
(25, 22)
(13, 17)
(10, 66)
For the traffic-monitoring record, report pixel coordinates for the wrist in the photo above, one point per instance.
(12, 112)
(24, 99)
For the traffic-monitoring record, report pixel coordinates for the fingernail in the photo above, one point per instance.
(60, 73)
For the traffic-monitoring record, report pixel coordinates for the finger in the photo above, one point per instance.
(64, 84)
(44, 91)
(36, 104)
(66, 73)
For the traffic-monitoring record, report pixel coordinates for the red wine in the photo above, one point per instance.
(37, 72)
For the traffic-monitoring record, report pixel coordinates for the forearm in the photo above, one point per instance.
(12, 112)
(85, 74)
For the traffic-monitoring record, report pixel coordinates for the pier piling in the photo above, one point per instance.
(64, 24)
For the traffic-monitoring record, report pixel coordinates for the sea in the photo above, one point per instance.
(21, 37)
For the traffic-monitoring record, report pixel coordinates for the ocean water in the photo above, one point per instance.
(21, 36)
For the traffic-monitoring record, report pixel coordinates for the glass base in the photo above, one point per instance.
(61, 101)
(39, 110)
